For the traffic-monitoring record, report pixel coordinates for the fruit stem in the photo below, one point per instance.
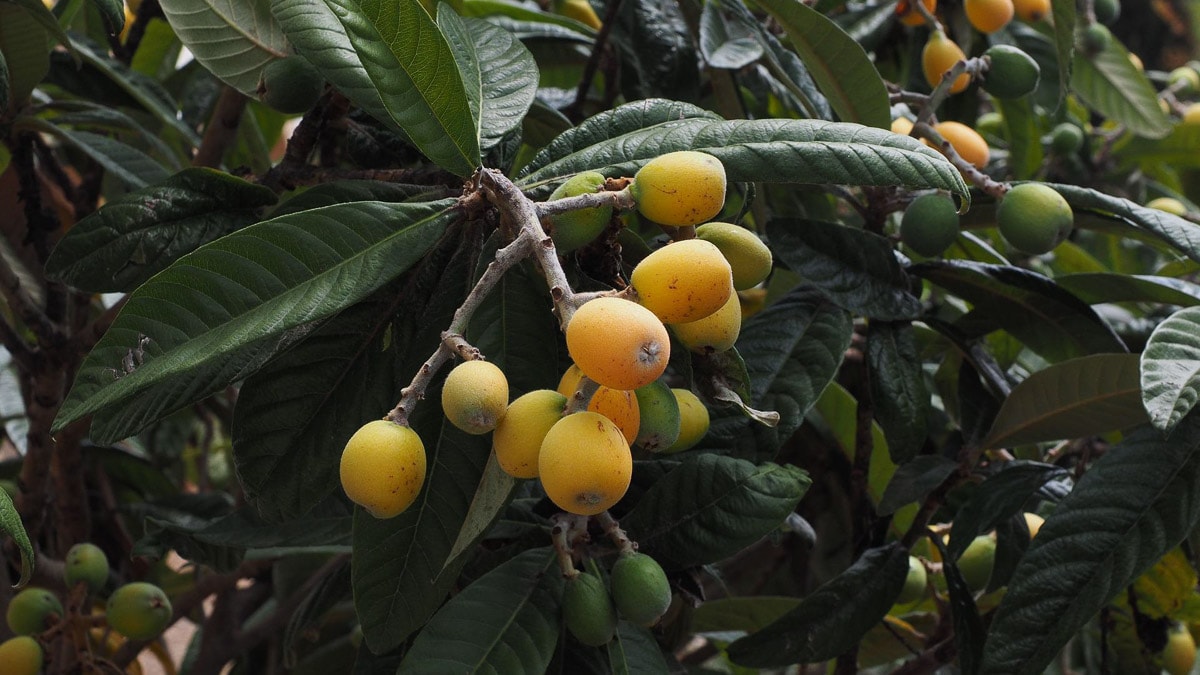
(618, 199)
(973, 67)
(613, 529)
(565, 526)
(583, 395)
(930, 19)
(978, 178)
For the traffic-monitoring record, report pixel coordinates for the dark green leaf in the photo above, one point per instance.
(1047, 319)
(1110, 83)
(898, 393)
(215, 315)
(137, 235)
(390, 59)
(1024, 138)
(998, 498)
(1176, 231)
(1180, 149)
(113, 13)
(10, 523)
(747, 614)
(233, 40)
(1064, 41)
(1135, 503)
(913, 481)
(1097, 287)
(727, 44)
(5, 89)
(521, 13)
(968, 627)
(710, 507)
(833, 618)
(26, 49)
(656, 51)
(498, 73)
(634, 651)
(854, 268)
(1076, 398)
(1170, 380)
(341, 191)
(132, 166)
(505, 622)
(46, 19)
(840, 66)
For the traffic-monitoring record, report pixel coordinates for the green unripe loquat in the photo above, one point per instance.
(1066, 139)
(1107, 11)
(977, 562)
(475, 396)
(660, 421)
(1012, 73)
(87, 563)
(1169, 205)
(29, 610)
(21, 655)
(518, 438)
(578, 228)
(139, 611)
(748, 257)
(640, 588)
(716, 332)
(1185, 79)
(588, 610)
(693, 421)
(683, 281)
(680, 188)
(1094, 39)
(1034, 218)
(290, 85)
(929, 224)
(915, 584)
(383, 468)
(992, 124)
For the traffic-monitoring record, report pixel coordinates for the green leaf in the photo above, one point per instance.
(1170, 380)
(233, 39)
(341, 191)
(505, 622)
(833, 618)
(840, 66)
(767, 150)
(968, 627)
(10, 523)
(215, 315)
(710, 507)
(1024, 138)
(913, 481)
(132, 237)
(727, 44)
(46, 19)
(1178, 232)
(1047, 319)
(1135, 503)
(5, 90)
(522, 13)
(1072, 399)
(747, 614)
(1096, 288)
(26, 49)
(898, 393)
(498, 73)
(125, 162)
(86, 114)
(389, 58)
(792, 349)
(635, 650)
(113, 13)
(1001, 496)
(1064, 14)
(1109, 83)
(854, 268)
(1179, 149)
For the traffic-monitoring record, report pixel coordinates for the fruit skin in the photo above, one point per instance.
(902, 126)
(1179, 655)
(988, 16)
(1012, 73)
(1033, 522)
(1184, 79)
(578, 228)
(929, 225)
(1066, 139)
(1034, 218)
(1095, 38)
(640, 588)
(1191, 114)
(1031, 10)
(87, 563)
(966, 142)
(29, 609)
(139, 611)
(1107, 11)
(618, 405)
(588, 610)
(660, 423)
(683, 281)
(680, 188)
(939, 55)
(21, 655)
(977, 561)
(290, 85)
(716, 332)
(693, 421)
(910, 16)
(1172, 206)
(915, 584)
(475, 396)
(748, 257)
(383, 467)
(618, 343)
(585, 464)
(580, 10)
(518, 438)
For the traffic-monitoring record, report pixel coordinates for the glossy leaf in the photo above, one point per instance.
(1135, 503)
(898, 393)
(1109, 82)
(1081, 397)
(113, 13)
(854, 268)
(390, 59)
(232, 39)
(10, 524)
(1178, 232)
(130, 165)
(507, 621)
(1047, 319)
(833, 618)
(840, 66)
(498, 73)
(710, 507)
(1170, 381)
(999, 497)
(1024, 138)
(1065, 17)
(40, 13)
(913, 481)
(726, 44)
(215, 315)
(132, 237)
(634, 650)
(1098, 287)
(26, 48)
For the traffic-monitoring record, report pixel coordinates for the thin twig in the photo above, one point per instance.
(613, 529)
(574, 112)
(978, 178)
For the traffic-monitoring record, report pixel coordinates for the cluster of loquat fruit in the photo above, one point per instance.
(137, 611)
